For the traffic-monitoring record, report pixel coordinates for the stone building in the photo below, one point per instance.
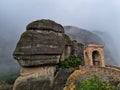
(94, 55)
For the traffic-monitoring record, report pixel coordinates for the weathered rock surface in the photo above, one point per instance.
(79, 76)
(42, 78)
(38, 51)
(41, 44)
(43, 24)
(72, 47)
(37, 78)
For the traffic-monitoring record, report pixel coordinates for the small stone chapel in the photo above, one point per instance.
(94, 55)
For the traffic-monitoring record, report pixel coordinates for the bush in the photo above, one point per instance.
(72, 61)
(95, 83)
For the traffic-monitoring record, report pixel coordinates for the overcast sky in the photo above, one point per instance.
(102, 15)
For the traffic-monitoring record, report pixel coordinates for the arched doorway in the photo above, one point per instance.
(94, 55)
(96, 58)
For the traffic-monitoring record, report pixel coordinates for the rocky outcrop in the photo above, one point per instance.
(41, 46)
(72, 47)
(42, 78)
(36, 78)
(38, 51)
(42, 43)
(43, 24)
(80, 75)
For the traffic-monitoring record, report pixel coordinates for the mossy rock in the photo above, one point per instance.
(68, 40)
(45, 25)
(27, 34)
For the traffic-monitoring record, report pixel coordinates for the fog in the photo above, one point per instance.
(93, 15)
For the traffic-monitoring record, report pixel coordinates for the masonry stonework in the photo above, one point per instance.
(94, 55)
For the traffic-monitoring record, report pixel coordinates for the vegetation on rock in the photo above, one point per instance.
(91, 82)
(72, 61)
(95, 83)
(70, 84)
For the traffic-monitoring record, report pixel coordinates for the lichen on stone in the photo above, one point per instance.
(68, 40)
(41, 40)
(27, 34)
(45, 25)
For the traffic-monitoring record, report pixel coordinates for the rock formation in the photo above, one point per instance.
(72, 48)
(42, 43)
(38, 51)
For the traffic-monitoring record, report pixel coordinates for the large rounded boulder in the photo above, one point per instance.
(41, 44)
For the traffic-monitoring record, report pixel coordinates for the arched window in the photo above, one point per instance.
(96, 58)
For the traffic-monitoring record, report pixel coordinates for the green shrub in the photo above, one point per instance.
(95, 83)
(72, 61)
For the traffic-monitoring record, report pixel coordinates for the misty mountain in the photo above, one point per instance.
(83, 36)
(109, 45)
(86, 37)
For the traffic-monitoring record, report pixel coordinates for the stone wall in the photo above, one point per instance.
(115, 73)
